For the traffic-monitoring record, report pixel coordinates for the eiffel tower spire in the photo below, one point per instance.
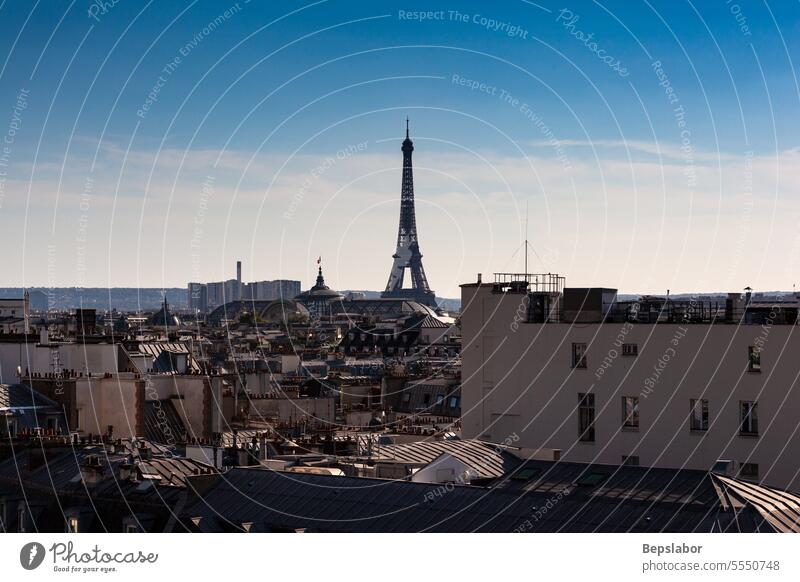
(408, 255)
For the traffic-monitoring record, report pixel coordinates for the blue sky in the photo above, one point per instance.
(104, 186)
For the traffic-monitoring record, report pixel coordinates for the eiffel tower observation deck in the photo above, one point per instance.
(408, 256)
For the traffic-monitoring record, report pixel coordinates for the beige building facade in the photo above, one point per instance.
(677, 391)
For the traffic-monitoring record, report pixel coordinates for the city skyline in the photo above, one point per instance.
(655, 164)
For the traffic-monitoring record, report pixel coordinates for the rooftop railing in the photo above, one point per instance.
(673, 312)
(535, 282)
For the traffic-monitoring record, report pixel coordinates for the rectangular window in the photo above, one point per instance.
(406, 397)
(699, 414)
(749, 471)
(630, 460)
(630, 349)
(753, 359)
(72, 525)
(579, 356)
(586, 417)
(21, 520)
(454, 401)
(439, 399)
(748, 417)
(630, 412)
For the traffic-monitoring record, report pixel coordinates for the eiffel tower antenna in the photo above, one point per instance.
(407, 255)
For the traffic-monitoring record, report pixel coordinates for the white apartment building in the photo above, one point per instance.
(656, 382)
(15, 314)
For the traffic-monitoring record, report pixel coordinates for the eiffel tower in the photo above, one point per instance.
(407, 255)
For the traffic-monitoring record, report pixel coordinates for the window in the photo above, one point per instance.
(748, 417)
(698, 419)
(753, 359)
(748, 471)
(454, 401)
(586, 417)
(21, 519)
(72, 524)
(406, 397)
(630, 460)
(591, 479)
(579, 356)
(630, 349)
(630, 412)
(426, 399)
(439, 399)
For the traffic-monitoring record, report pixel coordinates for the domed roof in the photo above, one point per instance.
(164, 317)
(320, 291)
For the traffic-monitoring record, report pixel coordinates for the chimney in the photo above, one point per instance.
(145, 454)
(125, 471)
(263, 445)
(92, 470)
(480, 276)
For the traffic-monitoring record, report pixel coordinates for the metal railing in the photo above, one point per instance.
(678, 312)
(535, 282)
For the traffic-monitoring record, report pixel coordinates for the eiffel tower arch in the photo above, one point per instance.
(408, 256)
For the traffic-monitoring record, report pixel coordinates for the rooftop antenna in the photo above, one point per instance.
(526, 239)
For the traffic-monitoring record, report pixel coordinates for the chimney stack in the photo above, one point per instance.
(239, 280)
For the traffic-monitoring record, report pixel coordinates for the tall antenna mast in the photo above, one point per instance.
(526, 239)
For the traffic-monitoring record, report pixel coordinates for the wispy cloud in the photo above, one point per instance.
(663, 150)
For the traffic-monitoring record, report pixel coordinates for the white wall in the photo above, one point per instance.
(97, 358)
(444, 469)
(112, 401)
(321, 410)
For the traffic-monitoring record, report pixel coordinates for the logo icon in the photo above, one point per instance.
(31, 555)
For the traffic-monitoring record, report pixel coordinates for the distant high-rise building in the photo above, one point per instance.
(207, 296)
(198, 297)
(408, 255)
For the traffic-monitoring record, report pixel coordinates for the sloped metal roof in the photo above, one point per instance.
(779, 508)
(559, 497)
(14, 396)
